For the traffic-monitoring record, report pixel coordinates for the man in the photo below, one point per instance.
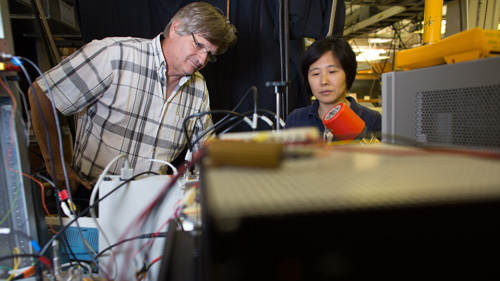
(131, 96)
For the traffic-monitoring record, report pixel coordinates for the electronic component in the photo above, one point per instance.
(120, 218)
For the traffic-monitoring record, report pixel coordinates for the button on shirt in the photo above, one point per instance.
(117, 88)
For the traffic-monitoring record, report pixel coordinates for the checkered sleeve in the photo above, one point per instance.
(80, 79)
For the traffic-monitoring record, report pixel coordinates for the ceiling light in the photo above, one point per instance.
(379, 40)
(370, 57)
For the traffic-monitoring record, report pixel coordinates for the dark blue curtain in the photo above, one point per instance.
(253, 61)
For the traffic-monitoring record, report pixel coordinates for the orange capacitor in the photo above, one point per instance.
(344, 123)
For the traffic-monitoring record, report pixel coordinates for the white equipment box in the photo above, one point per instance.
(127, 213)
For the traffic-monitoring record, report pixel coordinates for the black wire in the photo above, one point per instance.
(64, 240)
(143, 236)
(233, 125)
(68, 251)
(197, 115)
(65, 243)
(399, 36)
(218, 124)
(7, 257)
(159, 200)
(86, 210)
(222, 125)
(39, 109)
(254, 90)
(46, 127)
(56, 120)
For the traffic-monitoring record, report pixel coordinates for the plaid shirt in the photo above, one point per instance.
(117, 88)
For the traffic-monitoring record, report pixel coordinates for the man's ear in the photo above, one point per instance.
(173, 29)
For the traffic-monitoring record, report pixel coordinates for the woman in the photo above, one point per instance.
(329, 67)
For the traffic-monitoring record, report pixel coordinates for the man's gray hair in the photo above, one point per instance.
(204, 19)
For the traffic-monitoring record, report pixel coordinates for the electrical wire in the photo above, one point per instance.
(366, 60)
(33, 242)
(151, 242)
(58, 126)
(147, 214)
(18, 172)
(84, 265)
(197, 115)
(9, 152)
(44, 260)
(142, 274)
(17, 262)
(46, 128)
(18, 61)
(399, 36)
(63, 237)
(14, 108)
(86, 211)
(93, 197)
(143, 236)
(43, 197)
(28, 117)
(65, 243)
(174, 169)
(218, 124)
(232, 126)
(263, 118)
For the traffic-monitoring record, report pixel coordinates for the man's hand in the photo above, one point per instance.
(73, 178)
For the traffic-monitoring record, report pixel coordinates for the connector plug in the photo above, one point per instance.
(126, 173)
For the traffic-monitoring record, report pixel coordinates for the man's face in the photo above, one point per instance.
(190, 54)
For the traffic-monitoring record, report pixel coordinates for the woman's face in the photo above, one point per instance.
(327, 80)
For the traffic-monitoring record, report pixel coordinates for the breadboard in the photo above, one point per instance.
(349, 178)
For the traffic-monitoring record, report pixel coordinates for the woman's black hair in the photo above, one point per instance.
(340, 48)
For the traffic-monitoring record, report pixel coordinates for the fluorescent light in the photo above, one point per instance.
(370, 57)
(369, 54)
(379, 40)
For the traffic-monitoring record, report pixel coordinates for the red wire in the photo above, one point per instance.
(137, 223)
(9, 153)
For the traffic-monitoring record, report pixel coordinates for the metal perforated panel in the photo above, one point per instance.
(350, 178)
(465, 117)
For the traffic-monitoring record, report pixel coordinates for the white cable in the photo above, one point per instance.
(83, 264)
(164, 162)
(255, 119)
(267, 120)
(282, 123)
(67, 211)
(248, 121)
(92, 201)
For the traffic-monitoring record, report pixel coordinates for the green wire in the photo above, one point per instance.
(17, 185)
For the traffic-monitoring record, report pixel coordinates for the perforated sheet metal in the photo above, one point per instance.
(465, 117)
(350, 178)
